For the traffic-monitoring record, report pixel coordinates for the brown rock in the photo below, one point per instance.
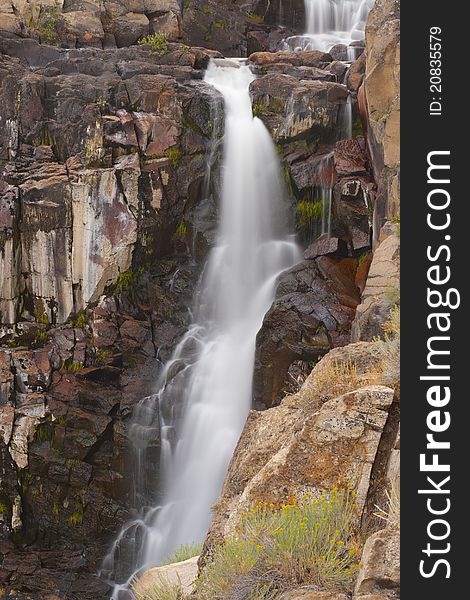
(7, 417)
(79, 28)
(350, 157)
(326, 245)
(309, 449)
(381, 291)
(129, 28)
(379, 577)
(309, 58)
(6, 377)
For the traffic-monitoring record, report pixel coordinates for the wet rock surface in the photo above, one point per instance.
(106, 218)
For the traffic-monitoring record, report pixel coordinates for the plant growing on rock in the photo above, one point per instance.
(184, 552)
(308, 212)
(44, 21)
(309, 541)
(174, 154)
(158, 43)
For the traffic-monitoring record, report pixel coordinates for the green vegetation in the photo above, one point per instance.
(102, 356)
(309, 541)
(184, 552)
(42, 318)
(3, 509)
(77, 517)
(182, 229)
(74, 367)
(125, 282)
(362, 259)
(158, 43)
(396, 221)
(259, 109)
(174, 154)
(308, 212)
(79, 321)
(255, 18)
(44, 22)
(393, 295)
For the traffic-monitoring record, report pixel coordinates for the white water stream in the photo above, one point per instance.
(331, 22)
(205, 389)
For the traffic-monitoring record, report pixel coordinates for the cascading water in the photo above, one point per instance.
(205, 389)
(331, 22)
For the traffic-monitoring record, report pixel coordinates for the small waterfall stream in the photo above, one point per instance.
(331, 22)
(204, 391)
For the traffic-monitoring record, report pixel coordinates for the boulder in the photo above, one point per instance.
(78, 29)
(129, 28)
(183, 573)
(300, 446)
(312, 311)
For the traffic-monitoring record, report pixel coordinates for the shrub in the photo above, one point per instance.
(158, 43)
(310, 541)
(184, 552)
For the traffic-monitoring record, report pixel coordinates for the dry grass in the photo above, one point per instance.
(392, 513)
(161, 589)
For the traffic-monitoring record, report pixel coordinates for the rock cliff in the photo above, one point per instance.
(107, 212)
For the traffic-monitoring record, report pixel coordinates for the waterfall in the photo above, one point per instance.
(331, 22)
(204, 391)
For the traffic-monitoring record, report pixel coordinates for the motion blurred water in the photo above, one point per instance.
(205, 389)
(331, 22)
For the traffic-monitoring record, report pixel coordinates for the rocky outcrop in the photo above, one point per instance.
(333, 432)
(312, 312)
(96, 164)
(380, 99)
(382, 290)
(102, 166)
(379, 577)
(182, 574)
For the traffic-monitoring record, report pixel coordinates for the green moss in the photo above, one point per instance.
(362, 258)
(158, 43)
(79, 321)
(182, 229)
(174, 154)
(3, 509)
(102, 355)
(55, 509)
(125, 282)
(308, 212)
(206, 10)
(77, 517)
(255, 18)
(74, 367)
(259, 109)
